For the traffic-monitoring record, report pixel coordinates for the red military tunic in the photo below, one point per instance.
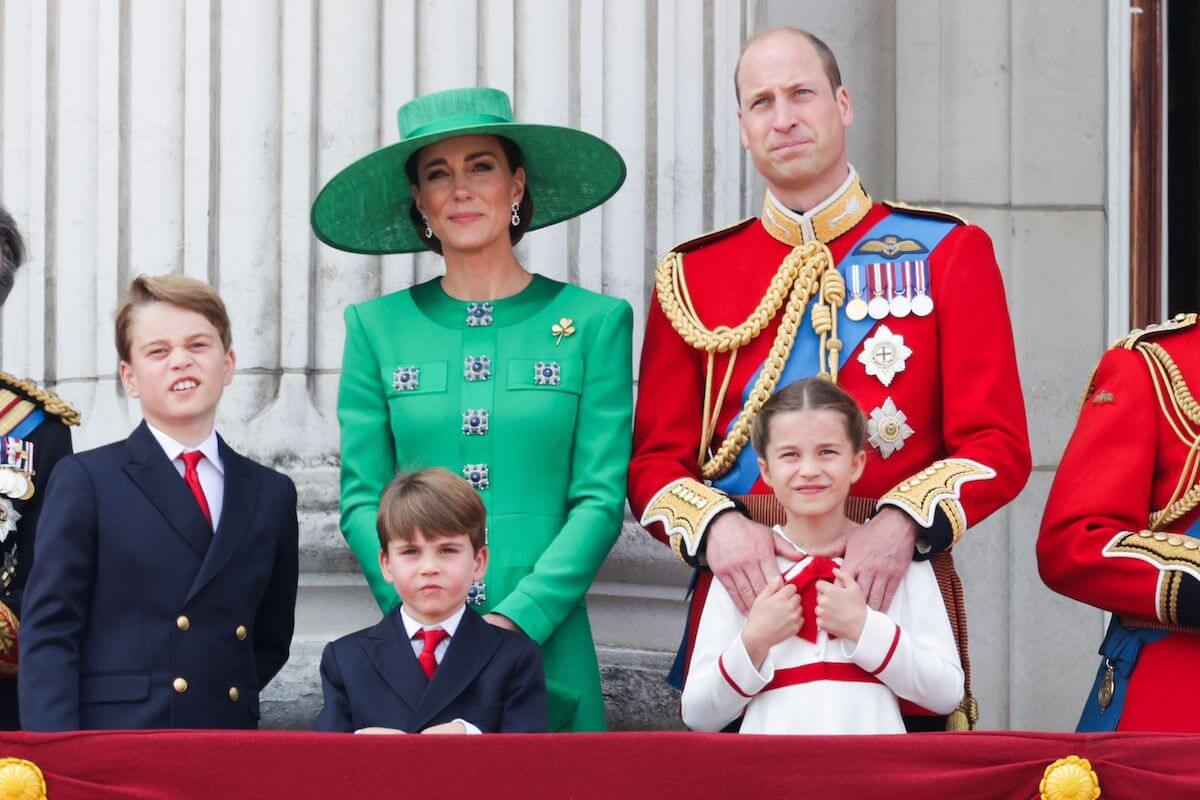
(1115, 531)
(958, 447)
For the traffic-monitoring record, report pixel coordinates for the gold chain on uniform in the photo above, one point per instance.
(1161, 363)
(52, 403)
(807, 269)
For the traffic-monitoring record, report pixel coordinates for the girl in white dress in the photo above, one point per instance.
(811, 656)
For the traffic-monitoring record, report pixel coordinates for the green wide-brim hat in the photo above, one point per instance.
(364, 208)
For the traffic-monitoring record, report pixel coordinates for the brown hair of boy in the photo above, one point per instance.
(435, 502)
(810, 394)
(177, 290)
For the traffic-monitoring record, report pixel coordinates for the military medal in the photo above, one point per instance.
(878, 307)
(889, 428)
(1108, 687)
(900, 305)
(884, 354)
(922, 304)
(856, 309)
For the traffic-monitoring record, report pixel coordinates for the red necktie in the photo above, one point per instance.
(805, 581)
(192, 479)
(432, 637)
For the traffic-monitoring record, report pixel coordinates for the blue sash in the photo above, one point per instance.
(28, 424)
(802, 361)
(1121, 648)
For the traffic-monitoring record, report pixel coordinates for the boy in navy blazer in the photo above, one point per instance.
(163, 589)
(433, 665)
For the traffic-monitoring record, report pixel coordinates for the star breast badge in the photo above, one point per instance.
(889, 428)
(884, 355)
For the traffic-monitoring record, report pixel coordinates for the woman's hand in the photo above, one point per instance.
(775, 616)
(446, 727)
(375, 730)
(501, 621)
(841, 607)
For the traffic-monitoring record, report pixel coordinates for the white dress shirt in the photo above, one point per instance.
(210, 469)
(450, 626)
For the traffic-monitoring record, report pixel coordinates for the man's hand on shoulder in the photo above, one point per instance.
(741, 554)
(878, 554)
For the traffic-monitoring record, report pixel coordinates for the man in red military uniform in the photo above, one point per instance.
(1122, 527)
(904, 308)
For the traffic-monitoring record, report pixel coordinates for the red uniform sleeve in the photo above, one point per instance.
(668, 417)
(986, 439)
(1102, 494)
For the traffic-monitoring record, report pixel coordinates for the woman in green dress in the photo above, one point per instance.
(520, 383)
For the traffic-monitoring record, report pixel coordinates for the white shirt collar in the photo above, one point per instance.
(807, 216)
(449, 624)
(174, 449)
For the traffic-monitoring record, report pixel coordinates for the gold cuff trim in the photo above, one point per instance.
(685, 507)
(938, 486)
(1165, 551)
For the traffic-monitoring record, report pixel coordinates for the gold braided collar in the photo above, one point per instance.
(831, 218)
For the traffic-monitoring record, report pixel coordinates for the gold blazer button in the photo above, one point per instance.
(183, 623)
(180, 685)
(234, 694)
(240, 632)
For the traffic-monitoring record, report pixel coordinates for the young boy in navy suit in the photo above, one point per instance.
(432, 665)
(163, 590)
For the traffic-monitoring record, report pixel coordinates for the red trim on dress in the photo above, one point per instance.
(842, 671)
(729, 680)
(891, 652)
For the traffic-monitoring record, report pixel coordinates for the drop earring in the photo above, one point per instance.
(428, 230)
(516, 217)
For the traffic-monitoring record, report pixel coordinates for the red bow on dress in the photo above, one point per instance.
(805, 581)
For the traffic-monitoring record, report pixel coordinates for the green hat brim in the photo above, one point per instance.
(364, 208)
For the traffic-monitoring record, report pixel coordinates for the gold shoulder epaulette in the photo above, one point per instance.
(712, 236)
(1176, 323)
(922, 211)
(50, 402)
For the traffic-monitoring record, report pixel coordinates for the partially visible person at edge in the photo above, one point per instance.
(35, 434)
(902, 307)
(1121, 530)
(517, 382)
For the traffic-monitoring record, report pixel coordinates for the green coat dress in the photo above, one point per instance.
(542, 426)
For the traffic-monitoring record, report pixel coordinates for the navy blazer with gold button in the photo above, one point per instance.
(137, 614)
(488, 676)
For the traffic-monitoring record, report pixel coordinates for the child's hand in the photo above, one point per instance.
(446, 727)
(377, 730)
(775, 615)
(841, 607)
